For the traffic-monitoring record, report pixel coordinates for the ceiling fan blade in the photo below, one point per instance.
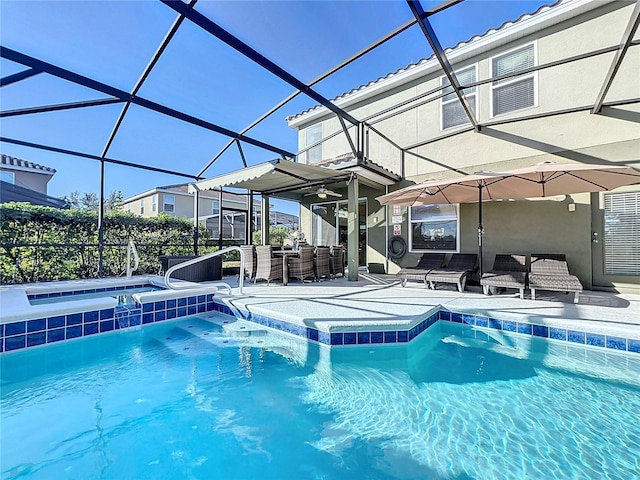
(333, 194)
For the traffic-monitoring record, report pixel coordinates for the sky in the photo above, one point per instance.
(113, 41)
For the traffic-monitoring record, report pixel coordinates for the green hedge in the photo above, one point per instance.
(43, 243)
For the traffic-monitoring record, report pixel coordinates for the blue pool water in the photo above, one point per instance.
(198, 398)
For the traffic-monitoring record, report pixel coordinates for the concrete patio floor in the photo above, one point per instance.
(381, 301)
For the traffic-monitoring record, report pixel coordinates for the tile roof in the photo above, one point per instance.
(411, 66)
(17, 162)
(349, 159)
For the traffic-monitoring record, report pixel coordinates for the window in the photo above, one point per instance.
(142, 206)
(622, 233)
(154, 203)
(215, 207)
(434, 227)
(515, 93)
(8, 177)
(169, 204)
(452, 113)
(313, 135)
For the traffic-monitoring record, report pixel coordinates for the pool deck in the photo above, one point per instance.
(380, 301)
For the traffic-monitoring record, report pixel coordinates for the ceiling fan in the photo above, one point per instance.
(322, 192)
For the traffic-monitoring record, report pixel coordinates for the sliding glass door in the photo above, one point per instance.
(330, 226)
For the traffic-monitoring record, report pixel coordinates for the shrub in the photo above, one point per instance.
(43, 243)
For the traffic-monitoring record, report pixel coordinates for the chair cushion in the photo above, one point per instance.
(557, 283)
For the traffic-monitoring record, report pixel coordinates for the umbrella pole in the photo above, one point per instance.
(480, 229)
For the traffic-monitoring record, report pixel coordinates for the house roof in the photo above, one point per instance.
(543, 17)
(366, 169)
(18, 164)
(15, 193)
(182, 189)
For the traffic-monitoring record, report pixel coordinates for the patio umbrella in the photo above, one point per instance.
(541, 180)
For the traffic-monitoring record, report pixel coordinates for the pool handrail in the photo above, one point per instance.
(167, 275)
(131, 247)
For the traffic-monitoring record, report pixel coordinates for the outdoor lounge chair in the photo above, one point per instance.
(322, 262)
(268, 267)
(301, 266)
(427, 262)
(337, 261)
(457, 270)
(249, 261)
(550, 272)
(509, 271)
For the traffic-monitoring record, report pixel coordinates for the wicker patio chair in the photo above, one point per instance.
(268, 267)
(301, 267)
(322, 262)
(427, 262)
(337, 260)
(550, 272)
(509, 271)
(457, 270)
(249, 252)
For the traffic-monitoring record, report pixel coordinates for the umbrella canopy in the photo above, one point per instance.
(541, 180)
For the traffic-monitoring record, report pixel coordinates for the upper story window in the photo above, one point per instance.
(434, 228)
(142, 206)
(9, 177)
(169, 203)
(215, 207)
(313, 134)
(515, 93)
(452, 113)
(154, 203)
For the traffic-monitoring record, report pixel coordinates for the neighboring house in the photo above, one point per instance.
(543, 115)
(24, 181)
(176, 201)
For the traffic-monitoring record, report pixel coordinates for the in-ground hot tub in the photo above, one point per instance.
(40, 313)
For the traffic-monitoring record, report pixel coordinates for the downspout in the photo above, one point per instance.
(386, 233)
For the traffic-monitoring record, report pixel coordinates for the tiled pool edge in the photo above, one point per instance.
(32, 333)
(39, 296)
(336, 339)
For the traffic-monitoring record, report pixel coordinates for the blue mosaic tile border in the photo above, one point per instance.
(31, 333)
(404, 336)
(90, 290)
(18, 335)
(611, 342)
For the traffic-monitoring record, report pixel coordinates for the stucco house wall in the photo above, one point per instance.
(521, 226)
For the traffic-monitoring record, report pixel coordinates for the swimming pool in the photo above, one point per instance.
(216, 398)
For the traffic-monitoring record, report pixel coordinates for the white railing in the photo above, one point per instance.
(131, 248)
(167, 276)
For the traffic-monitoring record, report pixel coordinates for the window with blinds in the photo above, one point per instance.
(452, 113)
(622, 233)
(313, 134)
(169, 204)
(515, 93)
